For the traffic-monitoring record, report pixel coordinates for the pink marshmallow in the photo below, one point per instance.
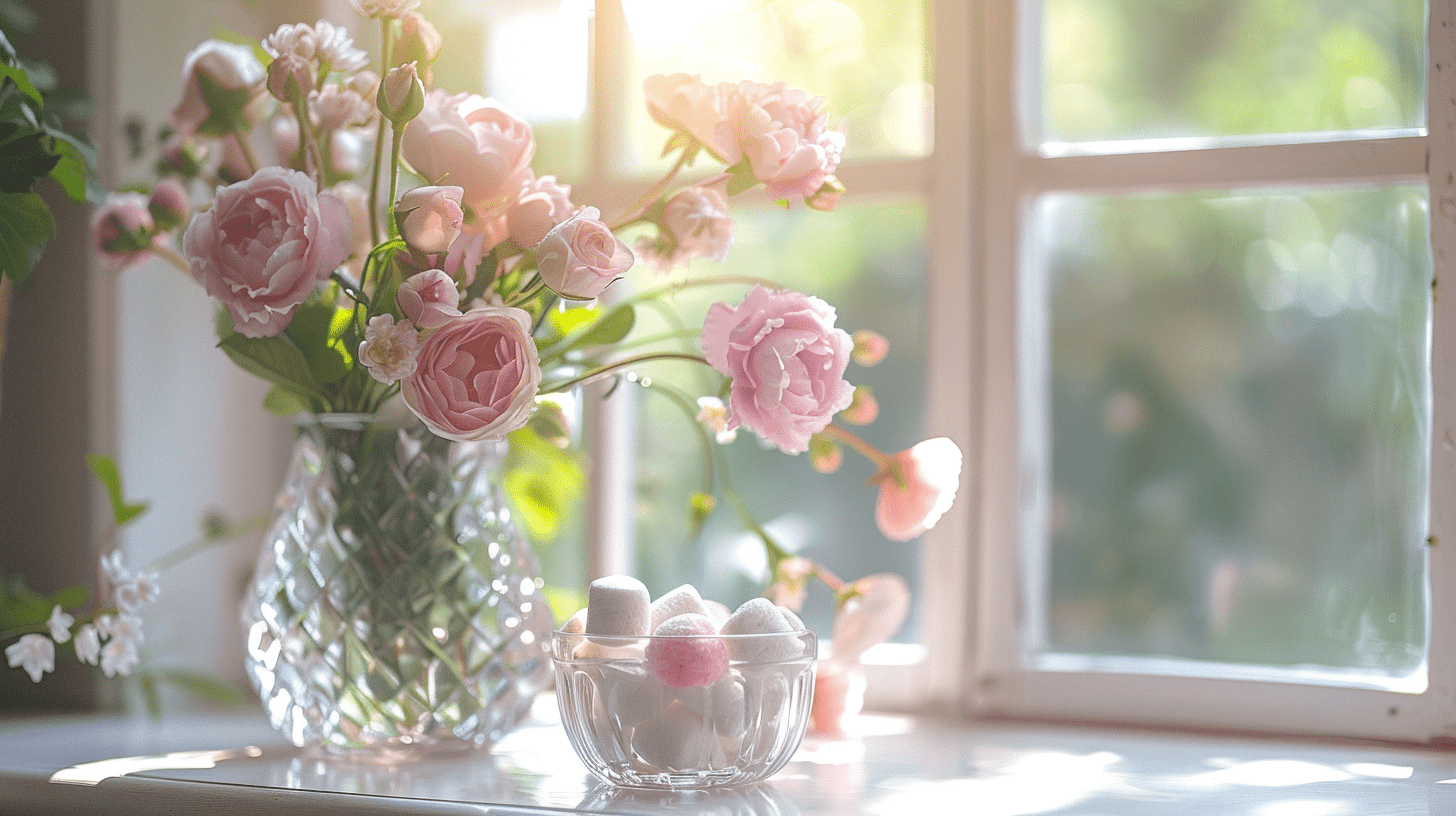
(685, 652)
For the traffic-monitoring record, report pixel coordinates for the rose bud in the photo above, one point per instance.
(401, 94)
(864, 408)
(418, 41)
(290, 77)
(870, 347)
(580, 256)
(227, 67)
(430, 218)
(825, 454)
(429, 299)
(121, 230)
(168, 204)
(917, 488)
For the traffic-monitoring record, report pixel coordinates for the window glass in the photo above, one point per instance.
(865, 57)
(1128, 69)
(1239, 398)
(868, 262)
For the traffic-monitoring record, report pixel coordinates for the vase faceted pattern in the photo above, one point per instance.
(394, 606)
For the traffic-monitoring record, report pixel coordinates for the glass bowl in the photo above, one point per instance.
(639, 723)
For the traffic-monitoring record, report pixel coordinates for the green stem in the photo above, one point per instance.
(599, 371)
(528, 294)
(775, 550)
(880, 459)
(396, 141)
(241, 137)
(681, 401)
(650, 196)
(207, 542)
(374, 172)
(306, 138)
(350, 288)
(171, 256)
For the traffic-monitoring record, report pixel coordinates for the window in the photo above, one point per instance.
(1206, 366)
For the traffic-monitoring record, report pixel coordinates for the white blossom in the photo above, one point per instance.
(390, 350)
(386, 9)
(118, 657)
(334, 107)
(115, 568)
(60, 625)
(336, 47)
(714, 414)
(141, 589)
(88, 644)
(127, 628)
(34, 653)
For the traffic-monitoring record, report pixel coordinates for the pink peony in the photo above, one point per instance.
(429, 299)
(684, 103)
(229, 66)
(120, 230)
(264, 244)
(580, 256)
(477, 375)
(541, 204)
(697, 225)
(874, 611)
(430, 218)
(917, 489)
(787, 362)
(473, 143)
(783, 133)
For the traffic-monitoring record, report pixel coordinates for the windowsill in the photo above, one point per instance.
(892, 765)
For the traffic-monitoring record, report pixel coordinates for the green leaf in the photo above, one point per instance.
(18, 75)
(70, 171)
(105, 470)
(543, 482)
(611, 328)
(742, 178)
(285, 403)
(564, 602)
(25, 155)
(275, 359)
(317, 330)
(567, 321)
(23, 608)
(26, 226)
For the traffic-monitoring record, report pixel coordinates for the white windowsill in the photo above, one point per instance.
(893, 765)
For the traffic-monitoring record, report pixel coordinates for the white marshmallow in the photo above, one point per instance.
(791, 619)
(617, 606)
(587, 650)
(717, 612)
(631, 695)
(576, 624)
(723, 704)
(677, 740)
(680, 601)
(759, 616)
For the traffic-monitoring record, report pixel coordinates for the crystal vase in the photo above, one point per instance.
(395, 607)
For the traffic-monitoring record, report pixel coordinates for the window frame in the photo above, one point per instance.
(1008, 177)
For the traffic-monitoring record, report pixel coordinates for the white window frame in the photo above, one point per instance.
(1006, 179)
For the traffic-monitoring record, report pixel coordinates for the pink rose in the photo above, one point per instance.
(580, 256)
(476, 376)
(684, 103)
(540, 204)
(697, 226)
(121, 230)
(473, 143)
(231, 67)
(783, 134)
(264, 244)
(787, 362)
(429, 299)
(917, 489)
(874, 611)
(430, 218)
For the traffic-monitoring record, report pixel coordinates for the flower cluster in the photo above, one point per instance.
(111, 638)
(471, 293)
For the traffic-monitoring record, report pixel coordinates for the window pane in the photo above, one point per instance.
(866, 261)
(865, 57)
(1128, 69)
(1239, 412)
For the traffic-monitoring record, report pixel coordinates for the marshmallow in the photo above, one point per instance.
(631, 695)
(576, 624)
(680, 601)
(791, 619)
(587, 650)
(759, 616)
(677, 740)
(686, 652)
(723, 704)
(717, 611)
(617, 606)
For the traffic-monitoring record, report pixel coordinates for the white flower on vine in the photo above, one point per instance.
(141, 589)
(714, 414)
(60, 624)
(126, 628)
(34, 653)
(88, 644)
(115, 568)
(118, 657)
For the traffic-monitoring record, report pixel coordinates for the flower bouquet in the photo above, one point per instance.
(420, 307)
